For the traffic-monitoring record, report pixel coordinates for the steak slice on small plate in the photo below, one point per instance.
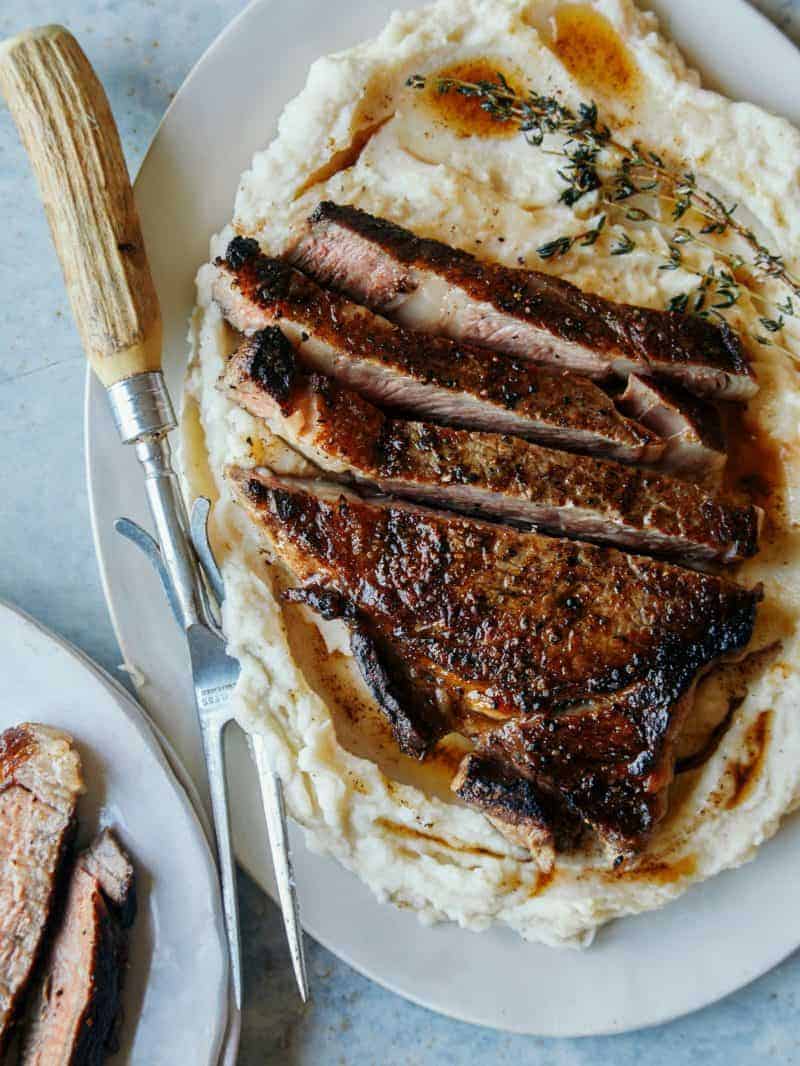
(75, 1013)
(40, 782)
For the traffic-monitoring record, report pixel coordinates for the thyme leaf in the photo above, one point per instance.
(727, 299)
(590, 236)
(774, 325)
(675, 259)
(557, 247)
(623, 245)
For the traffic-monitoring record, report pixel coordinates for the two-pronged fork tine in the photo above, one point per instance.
(213, 732)
(271, 789)
(275, 814)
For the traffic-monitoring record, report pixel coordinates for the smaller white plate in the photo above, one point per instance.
(176, 988)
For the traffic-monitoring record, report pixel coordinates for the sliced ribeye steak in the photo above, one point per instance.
(570, 663)
(426, 285)
(482, 473)
(524, 812)
(433, 377)
(75, 1013)
(691, 428)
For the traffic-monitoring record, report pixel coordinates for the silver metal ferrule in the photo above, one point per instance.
(141, 406)
(172, 529)
(144, 416)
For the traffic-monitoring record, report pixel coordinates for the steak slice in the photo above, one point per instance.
(74, 1017)
(419, 714)
(540, 630)
(433, 377)
(611, 759)
(524, 813)
(403, 695)
(482, 473)
(691, 428)
(40, 782)
(430, 286)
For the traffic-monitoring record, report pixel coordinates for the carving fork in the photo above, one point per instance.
(67, 128)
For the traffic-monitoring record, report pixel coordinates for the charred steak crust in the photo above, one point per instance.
(515, 803)
(40, 782)
(240, 249)
(17, 744)
(587, 655)
(555, 307)
(482, 473)
(403, 369)
(273, 364)
(413, 715)
(610, 764)
(415, 720)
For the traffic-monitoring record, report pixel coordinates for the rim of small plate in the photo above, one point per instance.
(183, 786)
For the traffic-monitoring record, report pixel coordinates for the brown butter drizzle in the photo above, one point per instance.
(464, 114)
(593, 52)
(343, 159)
(430, 838)
(745, 771)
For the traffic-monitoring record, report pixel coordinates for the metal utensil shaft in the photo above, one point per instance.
(271, 787)
(272, 796)
(143, 413)
(213, 732)
(144, 416)
(167, 509)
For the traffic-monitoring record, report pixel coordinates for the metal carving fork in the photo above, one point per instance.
(68, 130)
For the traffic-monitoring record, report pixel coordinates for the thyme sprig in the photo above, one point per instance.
(561, 245)
(595, 161)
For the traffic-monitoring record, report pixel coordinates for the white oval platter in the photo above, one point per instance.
(640, 971)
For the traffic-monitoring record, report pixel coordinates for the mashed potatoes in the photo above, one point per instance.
(356, 134)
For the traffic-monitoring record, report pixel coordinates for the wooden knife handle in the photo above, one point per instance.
(67, 128)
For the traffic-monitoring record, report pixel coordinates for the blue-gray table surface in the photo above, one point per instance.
(142, 50)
